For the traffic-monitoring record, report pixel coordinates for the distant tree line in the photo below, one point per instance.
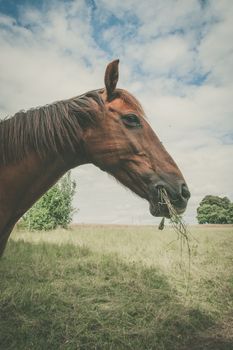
(215, 210)
(54, 209)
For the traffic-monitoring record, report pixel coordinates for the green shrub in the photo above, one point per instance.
(54, 208)
(215, 210)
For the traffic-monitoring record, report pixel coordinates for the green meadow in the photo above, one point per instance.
(117, 287)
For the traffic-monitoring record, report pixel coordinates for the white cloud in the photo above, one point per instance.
(215, 50)
(61, 50)
(45, 60)
(163, 55)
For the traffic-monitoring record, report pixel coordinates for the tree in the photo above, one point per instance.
(54, 208)
(215, 210)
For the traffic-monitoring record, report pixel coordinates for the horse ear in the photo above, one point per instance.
(111, 78)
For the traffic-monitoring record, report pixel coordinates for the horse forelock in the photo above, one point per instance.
(130, 100)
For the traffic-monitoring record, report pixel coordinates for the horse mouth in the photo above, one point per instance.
(161, 203)
(160, 209)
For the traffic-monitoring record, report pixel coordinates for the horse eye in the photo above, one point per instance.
(131, 121)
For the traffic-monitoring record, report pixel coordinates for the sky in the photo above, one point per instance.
(176, 57)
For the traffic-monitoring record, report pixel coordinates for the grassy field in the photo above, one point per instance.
(117, 287)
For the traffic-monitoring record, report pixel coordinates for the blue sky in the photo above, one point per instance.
(11, 7)
(175, 57)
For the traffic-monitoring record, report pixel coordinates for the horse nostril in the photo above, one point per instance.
(178, 192)
(185, 191)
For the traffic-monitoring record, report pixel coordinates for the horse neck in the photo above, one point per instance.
(23, 182)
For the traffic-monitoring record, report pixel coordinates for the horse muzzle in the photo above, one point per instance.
(177, 192)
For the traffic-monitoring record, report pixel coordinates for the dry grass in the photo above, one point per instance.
(150, 247)
(117, 287)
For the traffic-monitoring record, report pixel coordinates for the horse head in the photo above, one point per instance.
(123, 144)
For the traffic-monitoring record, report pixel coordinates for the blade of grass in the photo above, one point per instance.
(179, 227)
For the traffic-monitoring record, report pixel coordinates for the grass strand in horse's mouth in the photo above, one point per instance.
(177, 223)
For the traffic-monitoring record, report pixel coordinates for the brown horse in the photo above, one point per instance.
(105, 127)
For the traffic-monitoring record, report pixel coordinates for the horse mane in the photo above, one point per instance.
(53, 127)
